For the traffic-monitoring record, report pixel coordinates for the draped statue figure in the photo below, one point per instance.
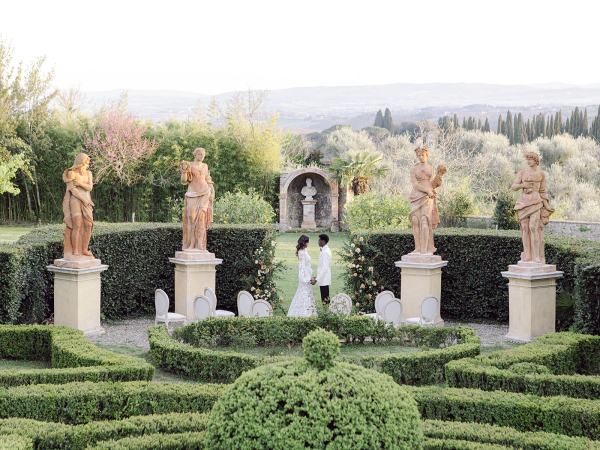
(78, 209)
(424, 215)
(198, 202)
(533, 208)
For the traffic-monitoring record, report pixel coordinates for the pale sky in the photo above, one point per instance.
(220, 45)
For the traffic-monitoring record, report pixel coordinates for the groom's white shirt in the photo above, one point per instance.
(324, 267)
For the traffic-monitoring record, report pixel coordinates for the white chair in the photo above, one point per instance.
(244, 304)
(161, 303)
(262, 308)
(212, 297)
(341, 304)
(202, 308)
(392, 313)
(430, 309)
(381, 301)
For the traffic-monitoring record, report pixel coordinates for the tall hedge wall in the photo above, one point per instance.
(472, 284)
(137, 255)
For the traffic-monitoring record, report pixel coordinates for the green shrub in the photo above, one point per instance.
(54, 436)
(241, 207)
(72, 357)
(175, 441)
(554, 364)
(455, 204)
(77, 403)
(456, 444)
(505, 216)
(468, 291)
(509, 437)
(137, 255)
(14, 442)
(524, 412)
(194, 358)
(375, 211)
(314, 404)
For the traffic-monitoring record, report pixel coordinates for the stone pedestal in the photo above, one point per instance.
(531, 300)
(194, 272)
(77, 295)
(308, 214)
(420, 277)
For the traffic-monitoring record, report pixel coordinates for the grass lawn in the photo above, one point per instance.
(348, 350)
(20, 364)
(10, 234)
(286, 252)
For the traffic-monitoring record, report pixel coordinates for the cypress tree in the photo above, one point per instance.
(387, 120)
(519, 129)
(558, 125)
(500, 127)
(584, 123)
(464, 123)
(510, 133)
(486, 126)
(378, 119)
(455, 122)
(550, 127)
(595, 131)
(479, 124)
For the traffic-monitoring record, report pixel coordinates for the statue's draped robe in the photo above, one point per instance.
(76, 201)
(195, 223)
(420, 203)
(533, 202)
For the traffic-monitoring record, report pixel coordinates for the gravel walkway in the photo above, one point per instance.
(133, 332)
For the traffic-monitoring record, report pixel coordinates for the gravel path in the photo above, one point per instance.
(133, 332)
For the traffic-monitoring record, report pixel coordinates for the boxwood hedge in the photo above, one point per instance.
(176, 441)
(472, 284)
(194, 358)
(571, 362)
(137, 255)
(71, 356)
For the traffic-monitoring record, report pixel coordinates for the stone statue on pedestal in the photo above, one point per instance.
(424, 215)
(533, 209)
(308, 205)
(198, 203)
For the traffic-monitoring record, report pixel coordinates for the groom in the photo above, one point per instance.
(324, 269)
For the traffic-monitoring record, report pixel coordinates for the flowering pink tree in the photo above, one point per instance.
(117, 146)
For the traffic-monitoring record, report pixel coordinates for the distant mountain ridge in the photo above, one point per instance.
(316, 108)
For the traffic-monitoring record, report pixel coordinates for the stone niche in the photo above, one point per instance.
(290, 199)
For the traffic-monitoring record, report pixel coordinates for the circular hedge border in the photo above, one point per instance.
(189, 354)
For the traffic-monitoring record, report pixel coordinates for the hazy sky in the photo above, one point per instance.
(219, 45)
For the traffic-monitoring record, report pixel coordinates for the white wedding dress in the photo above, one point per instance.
(303, 303)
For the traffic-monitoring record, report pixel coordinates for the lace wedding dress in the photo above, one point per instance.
(303, 303)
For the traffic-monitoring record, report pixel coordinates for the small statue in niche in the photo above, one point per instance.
(309, 191)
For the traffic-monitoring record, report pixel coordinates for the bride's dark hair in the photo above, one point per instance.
(302, 243)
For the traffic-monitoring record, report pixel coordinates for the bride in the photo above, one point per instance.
(303, 303)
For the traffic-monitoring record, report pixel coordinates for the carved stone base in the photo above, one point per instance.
(192, 276)
(195, 255)
(531, 300)
(420, 277)
(77, 297)
(77, 262)
(308, 214)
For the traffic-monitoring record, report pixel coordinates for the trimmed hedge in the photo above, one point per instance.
(77, 403)
(455, 444)
(54, 436)
(13, 442)
(137, 255)
(524, 412)
(72, 357)
(194, 358)
(468, 291)
(175, 441)
(572, 363)
(504, 436)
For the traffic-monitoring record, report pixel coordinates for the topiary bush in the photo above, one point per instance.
(137, 255)
(315, 403)
(505, 216)
(472, 283)
(243, 208)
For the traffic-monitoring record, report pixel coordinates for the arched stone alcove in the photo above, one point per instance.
(290, 198)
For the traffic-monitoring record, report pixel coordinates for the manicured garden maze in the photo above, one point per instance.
(196, 349)
(149, 415)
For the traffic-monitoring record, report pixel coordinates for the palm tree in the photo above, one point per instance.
(358, 167)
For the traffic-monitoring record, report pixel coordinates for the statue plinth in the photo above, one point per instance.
(308, 214)
(531, 300)
(420, 277)
(195, 270)
(77, 262)
(77, 294)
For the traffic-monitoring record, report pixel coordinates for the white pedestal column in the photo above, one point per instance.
(308, 214)
(420, 277)
(531, 300)
(77, 297)
(194, 272)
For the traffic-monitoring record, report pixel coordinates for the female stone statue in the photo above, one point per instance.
(533, 208)
(78, 208)
(424, 215)
(198, 202)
